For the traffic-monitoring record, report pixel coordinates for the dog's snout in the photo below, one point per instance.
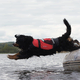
(15, 44)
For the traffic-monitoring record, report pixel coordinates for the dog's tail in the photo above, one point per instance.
(68, 31)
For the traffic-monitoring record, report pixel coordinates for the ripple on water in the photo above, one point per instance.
(35, 68)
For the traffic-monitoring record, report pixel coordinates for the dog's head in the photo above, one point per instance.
(23, 41)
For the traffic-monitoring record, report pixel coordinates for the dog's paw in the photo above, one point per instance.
(12, 57)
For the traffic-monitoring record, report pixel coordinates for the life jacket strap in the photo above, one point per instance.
(39, 43)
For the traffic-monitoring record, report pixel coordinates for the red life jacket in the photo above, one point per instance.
(45, 44)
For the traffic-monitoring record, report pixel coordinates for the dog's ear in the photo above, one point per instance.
(16, 36)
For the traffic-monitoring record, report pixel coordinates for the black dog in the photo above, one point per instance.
(36, 47)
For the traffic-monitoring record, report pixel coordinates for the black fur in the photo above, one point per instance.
(28, 50)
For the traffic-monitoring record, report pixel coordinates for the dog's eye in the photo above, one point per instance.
(17, 41)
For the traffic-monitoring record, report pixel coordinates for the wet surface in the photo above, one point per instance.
(36, 68)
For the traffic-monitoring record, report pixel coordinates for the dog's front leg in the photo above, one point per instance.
(15, 56)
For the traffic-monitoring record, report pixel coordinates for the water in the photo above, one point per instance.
(36, 68)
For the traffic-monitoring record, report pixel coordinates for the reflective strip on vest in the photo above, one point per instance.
(43, 44)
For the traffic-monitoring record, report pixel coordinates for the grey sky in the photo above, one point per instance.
(39, 18)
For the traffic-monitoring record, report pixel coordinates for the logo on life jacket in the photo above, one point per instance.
(45, 44)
